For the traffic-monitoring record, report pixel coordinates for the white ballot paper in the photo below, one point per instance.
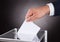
(28, 31)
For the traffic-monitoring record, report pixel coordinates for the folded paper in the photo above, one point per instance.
(28, 31)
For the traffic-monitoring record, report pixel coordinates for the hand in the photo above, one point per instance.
(36, 13)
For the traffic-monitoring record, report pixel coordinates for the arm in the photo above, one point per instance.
(39, 12)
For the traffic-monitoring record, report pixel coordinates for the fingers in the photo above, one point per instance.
(32, 18)
(29, 13)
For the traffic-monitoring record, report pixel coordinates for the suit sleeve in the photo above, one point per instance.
(57, 7)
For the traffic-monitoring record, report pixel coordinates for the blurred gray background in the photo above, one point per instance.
(13, 14)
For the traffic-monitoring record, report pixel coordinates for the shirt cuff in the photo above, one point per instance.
(51, 6)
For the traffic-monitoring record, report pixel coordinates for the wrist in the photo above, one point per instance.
(47, 9)
(52, 9)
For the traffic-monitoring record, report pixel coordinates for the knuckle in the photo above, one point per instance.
(31, 9)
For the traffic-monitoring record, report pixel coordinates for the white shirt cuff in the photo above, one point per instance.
(51, 6)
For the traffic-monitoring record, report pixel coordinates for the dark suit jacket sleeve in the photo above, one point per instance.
(57, 7)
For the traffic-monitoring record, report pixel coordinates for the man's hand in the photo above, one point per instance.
(36, 13)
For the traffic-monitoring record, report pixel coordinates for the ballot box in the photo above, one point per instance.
(11, 36)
